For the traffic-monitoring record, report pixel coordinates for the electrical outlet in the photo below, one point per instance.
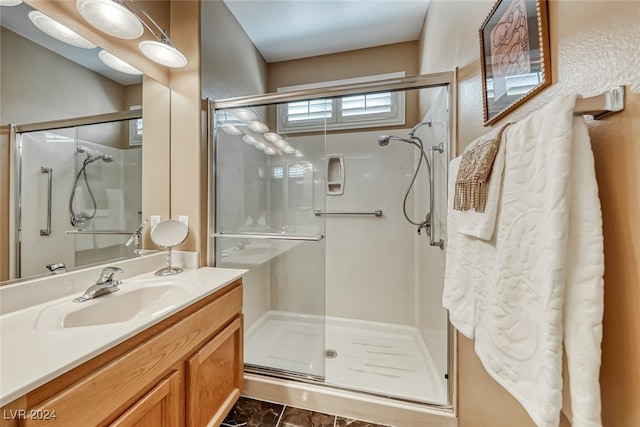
(184, 219)
(154, 220)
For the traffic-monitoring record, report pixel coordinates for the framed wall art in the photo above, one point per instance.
(514, 53)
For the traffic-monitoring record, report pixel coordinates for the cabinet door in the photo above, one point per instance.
(160, 407)
(215, 377)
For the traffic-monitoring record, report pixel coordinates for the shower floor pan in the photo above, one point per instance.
(373, 357)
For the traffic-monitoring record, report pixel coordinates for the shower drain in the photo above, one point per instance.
(330, 353)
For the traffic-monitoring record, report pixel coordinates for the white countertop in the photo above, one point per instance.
(35, 348)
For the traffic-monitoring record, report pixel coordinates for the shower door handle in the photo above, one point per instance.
(432, 172)
(272, 236)
(49, 172)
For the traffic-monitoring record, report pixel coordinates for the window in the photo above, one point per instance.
(348, 112)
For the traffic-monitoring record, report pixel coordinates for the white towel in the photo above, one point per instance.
(539, 280)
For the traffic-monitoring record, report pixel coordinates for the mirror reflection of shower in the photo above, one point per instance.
(383, 140)
(80, 219)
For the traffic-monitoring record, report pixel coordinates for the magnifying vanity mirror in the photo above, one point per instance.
(166, 235)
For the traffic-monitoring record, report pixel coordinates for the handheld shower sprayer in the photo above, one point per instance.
(79, 219)
(383, 140)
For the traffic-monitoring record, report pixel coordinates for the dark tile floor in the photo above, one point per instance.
(256, 413)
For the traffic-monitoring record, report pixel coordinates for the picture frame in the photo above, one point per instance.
(514, 55)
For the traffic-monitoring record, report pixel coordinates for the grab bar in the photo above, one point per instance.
(271, 236)
(377, 212)
(49, 172)
(439, 148)
(113, 232)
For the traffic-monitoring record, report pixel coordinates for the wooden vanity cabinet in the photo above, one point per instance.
(185, 371)
(215, 377)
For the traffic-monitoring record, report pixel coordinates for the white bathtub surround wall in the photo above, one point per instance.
(116, 187)
(54, 151)
(370, 259)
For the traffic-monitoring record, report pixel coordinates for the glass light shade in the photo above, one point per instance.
(257, 126)
(269, 151)
(281, 143)
(58, 31)
(163, 54)
(249, 139)
(230, 129)
(288, 149)
(10, 2)
(260, 145)
(117, 64)
(244, 114)
(272, 137)
(111, 18)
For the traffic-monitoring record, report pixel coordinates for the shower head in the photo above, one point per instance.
(383, 140)
(107, 158)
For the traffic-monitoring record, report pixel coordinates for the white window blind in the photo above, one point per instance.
(349, 112)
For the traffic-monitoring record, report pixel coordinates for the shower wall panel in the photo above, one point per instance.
(55, 151)
(370, 272)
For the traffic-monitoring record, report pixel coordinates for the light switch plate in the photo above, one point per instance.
(184, 219)
(154, 220)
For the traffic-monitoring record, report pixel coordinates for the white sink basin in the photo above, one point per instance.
(151, 300)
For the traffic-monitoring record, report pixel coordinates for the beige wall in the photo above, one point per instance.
(357, 63)
(39, 85)
(231, 65)
(594, 46)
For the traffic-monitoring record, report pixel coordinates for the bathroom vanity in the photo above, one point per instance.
(172, 365)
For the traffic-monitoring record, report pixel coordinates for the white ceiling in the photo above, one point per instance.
(290, 29)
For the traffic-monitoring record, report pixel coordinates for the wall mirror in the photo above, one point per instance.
(83, 160)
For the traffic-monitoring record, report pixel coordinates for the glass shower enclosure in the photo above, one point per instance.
(341, 227)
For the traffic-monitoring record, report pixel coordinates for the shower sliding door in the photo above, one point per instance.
(341, 228)
(267, 189)
(78, 196)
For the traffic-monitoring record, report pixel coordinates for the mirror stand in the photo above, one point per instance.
(169, 269)
(168, 234)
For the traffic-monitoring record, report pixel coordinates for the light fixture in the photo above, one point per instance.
(257, 126)
(127, 20)
(117, 64)
(272, 137)
(111, 17)
(244, 114)
(260, 145)
(249, 139)
(230, 129)
(58, 31)
(269, 151)
(163, 53)
(10, 2)
(288, 149)
(281, 143)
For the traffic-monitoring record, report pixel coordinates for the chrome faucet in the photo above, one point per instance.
(136, 238)
(104, 285)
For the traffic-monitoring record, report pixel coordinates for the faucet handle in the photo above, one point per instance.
(56, 268)
(108, 273)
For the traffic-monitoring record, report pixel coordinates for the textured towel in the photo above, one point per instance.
(538, 283)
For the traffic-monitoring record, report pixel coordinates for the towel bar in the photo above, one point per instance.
(601, 105)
